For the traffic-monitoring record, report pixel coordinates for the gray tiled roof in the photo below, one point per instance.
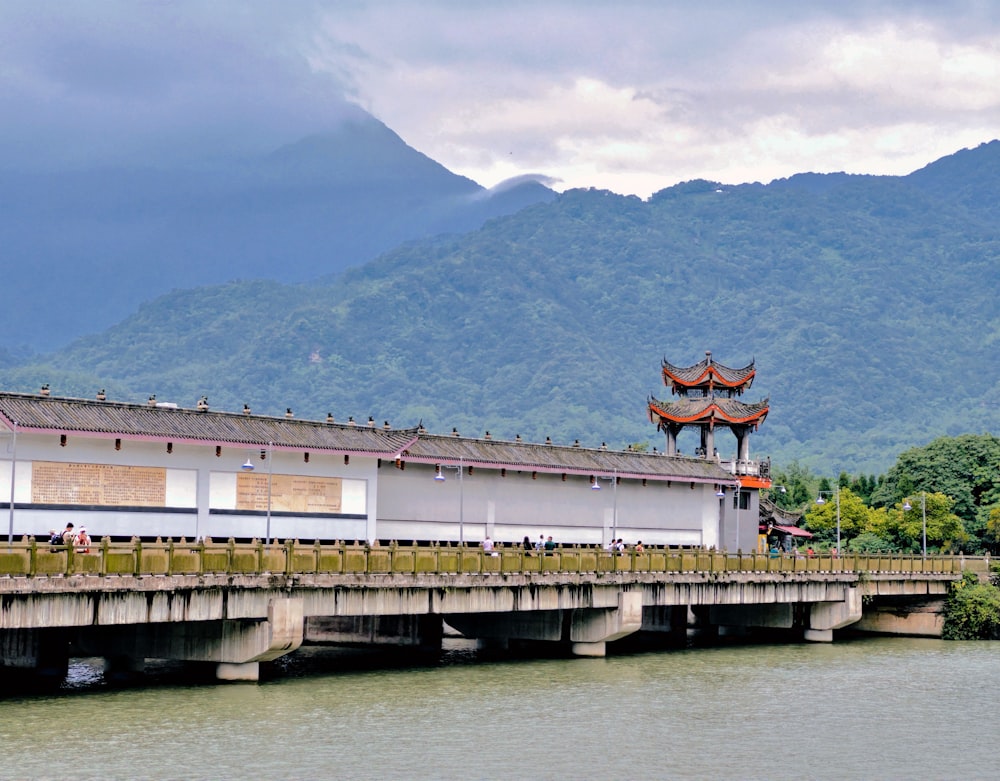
(693, 409)
(692, 374)
(559, 458)
(140, 421)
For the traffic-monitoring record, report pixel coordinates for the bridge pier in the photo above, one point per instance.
(236, 646)
(824, 617)
(586, 630)
(42, 653)
(592, 629)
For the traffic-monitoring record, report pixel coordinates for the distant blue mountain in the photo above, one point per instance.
(80, 250)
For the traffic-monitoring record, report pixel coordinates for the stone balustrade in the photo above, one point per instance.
(31, 558)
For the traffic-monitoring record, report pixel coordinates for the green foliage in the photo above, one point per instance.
(965, 469)
(993, 526)
(553, 321)
(972, 611)
(854, 516)
(904, 528)
(869, 542)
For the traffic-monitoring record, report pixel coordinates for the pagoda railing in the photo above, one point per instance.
(747, 468)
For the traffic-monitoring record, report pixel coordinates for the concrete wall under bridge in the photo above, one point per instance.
(237, 620)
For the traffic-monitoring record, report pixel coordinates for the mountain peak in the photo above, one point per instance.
(361, 148)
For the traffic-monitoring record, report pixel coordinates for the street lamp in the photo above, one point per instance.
(13, 468)
(596, 485)
(439, 476)
(821, 500)
(923, 516)
(267, 527)
(249, 467)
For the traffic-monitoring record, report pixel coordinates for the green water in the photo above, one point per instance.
(872, 709)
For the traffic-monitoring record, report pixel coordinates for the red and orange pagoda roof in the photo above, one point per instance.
(707, 376)
(708, 410)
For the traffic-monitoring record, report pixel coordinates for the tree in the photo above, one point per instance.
(972, 611)
(904, 528)
(854, 515)
(965, 468)
(993, 527)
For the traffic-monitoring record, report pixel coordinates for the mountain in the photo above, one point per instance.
(868, 304)
(81, 249)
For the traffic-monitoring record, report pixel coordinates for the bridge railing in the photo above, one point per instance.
(30, 558)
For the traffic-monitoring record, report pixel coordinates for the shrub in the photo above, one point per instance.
(972, 611)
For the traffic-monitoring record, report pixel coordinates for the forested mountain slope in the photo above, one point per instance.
(82, 249)
(868, 303)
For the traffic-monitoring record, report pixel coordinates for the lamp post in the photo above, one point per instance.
(267, 527)
(923, 517)
(439, 476)
(596, 485)
(249, 467)
(821, 500)
(13, 466)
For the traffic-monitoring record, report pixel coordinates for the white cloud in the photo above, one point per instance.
(631, 96)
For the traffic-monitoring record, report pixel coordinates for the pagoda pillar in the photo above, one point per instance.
(707, 441)
(742, 443)
(671, 444)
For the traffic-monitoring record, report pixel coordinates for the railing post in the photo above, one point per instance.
(33, 561)
(289, 557)
(170, 555)
(105, 546)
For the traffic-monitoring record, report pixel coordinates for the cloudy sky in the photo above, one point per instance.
(628, 96)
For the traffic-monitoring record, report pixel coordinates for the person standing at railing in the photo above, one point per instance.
(68, 535)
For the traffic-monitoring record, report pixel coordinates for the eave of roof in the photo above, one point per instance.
(708, 370)
(688, 410)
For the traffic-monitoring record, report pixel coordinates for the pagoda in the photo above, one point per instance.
(707, 397)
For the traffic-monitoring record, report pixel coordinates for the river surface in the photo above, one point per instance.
(886, 708)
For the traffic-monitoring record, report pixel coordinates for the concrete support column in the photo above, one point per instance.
(824, 617)
(592, 628)
(234, 673)
(44, 652)
(236, 646)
